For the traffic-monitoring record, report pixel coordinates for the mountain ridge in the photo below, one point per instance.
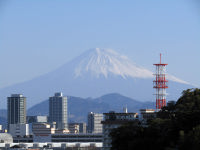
(78, 107)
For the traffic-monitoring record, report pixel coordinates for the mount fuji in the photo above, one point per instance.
(94, 73)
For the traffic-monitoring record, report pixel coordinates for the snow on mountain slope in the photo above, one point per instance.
(104, 62)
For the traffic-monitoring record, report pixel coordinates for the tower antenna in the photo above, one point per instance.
(160, 57)
(160, 84)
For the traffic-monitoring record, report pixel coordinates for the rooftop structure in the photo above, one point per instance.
(114, 120)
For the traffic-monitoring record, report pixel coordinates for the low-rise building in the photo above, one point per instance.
(73, 127)
(82, 127)
(42, 129)
(34, 119)
(42, 132)
(19, 130)
(147, 114)
(24, 139)
(114, 120)
(94, 122)
(52, 146)
(1, 129)
(77, 127)
(6, 138)
(88, 137)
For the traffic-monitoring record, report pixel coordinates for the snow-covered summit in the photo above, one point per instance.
(105, 62)
(100, 62)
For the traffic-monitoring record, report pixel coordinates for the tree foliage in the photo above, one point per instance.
(177, 126)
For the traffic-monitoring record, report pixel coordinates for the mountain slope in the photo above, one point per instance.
(95, 73)
(78, 108)
(117, 101)
(104, 62)
(3, 118)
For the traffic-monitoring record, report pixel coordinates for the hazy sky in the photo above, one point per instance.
(37, 36)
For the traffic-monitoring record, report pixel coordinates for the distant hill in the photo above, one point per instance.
(3, 113)
(3, 117)
(78, 108)
(116, 101)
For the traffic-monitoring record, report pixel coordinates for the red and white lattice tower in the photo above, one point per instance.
(160, 84)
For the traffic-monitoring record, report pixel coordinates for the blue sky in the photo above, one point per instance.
(38, 36)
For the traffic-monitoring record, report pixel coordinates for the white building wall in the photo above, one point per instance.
(94, 122)
(114, 120)
(19, 130)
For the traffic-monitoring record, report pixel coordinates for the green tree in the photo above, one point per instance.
(177, 126)
(188, 110)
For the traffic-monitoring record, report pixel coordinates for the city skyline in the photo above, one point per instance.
(107, 57)
(38, 37)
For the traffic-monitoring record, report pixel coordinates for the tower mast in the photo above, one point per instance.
(160, 84)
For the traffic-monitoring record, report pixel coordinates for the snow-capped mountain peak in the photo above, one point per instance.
(105, 62)
(100, 62)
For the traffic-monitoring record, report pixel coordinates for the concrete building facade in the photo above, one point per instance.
(42, 132)
(82, 127)
(16, 106)
(73, 128)
(77, 127)
(114, 120)
(34, 119)
(88, 137)
(94, 123)
(6, 138)
(58, 110)
(53, 146)
(19, 130)
(147, 114)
